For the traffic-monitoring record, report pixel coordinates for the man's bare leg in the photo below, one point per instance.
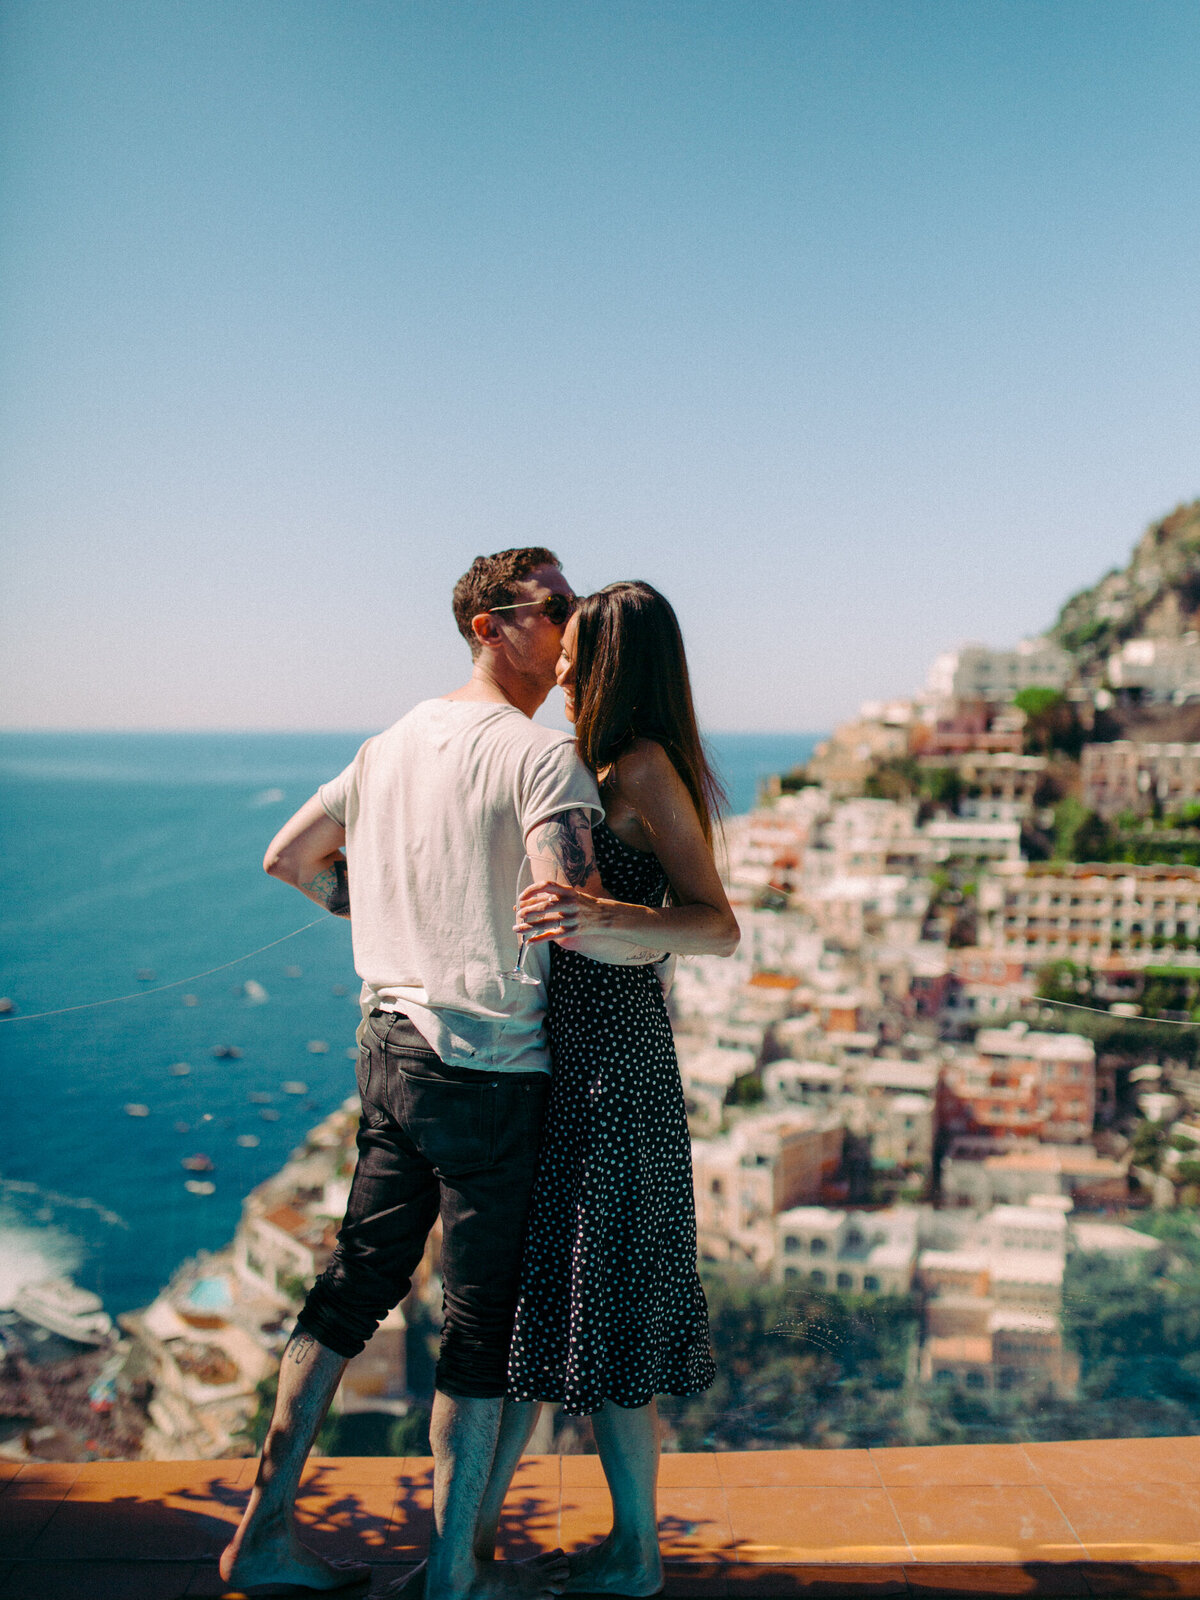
(517, 1422)
(266, 1548)
(629, 1561)
(463, 1433)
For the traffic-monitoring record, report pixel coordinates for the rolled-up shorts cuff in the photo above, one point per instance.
(465, 1389)
(328, 1329)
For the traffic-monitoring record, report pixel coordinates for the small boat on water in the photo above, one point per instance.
(197, 1163)
(227, 1052)
(62, 1307)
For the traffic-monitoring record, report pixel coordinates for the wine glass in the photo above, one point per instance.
(517, 971)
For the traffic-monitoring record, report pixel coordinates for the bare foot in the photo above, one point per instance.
(612, 1569)
(279, 1563)
(542, 1577)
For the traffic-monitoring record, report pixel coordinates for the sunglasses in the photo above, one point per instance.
(556, 608)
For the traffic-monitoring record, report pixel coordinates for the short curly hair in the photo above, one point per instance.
(489, 581)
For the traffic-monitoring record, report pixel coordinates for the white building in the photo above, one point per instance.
(708, 1075)
(849, 910)
(865, 839)
(981, 1173)
(856, 1252)
(803, 1083)
(901, 1127)
(1163, 669)
(1091, 1237)
(975, 672)
(973, 839)
(902, 1077)
(993, 1303)
(1052, 911)
(1131, 775)
(765, 1165)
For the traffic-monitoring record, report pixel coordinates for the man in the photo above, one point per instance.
(422, 838)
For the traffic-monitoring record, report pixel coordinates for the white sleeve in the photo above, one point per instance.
(556, 781)
(335, 794)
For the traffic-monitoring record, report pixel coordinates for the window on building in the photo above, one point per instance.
(871, 1284)
(791, 1244)
(818, 1277)
(817, 1247)
(976, 1380)
(845, 1281)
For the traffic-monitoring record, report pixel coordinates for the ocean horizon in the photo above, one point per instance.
(133, 861)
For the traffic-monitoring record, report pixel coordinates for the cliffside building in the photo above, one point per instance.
(974, 672)
(767, 1164)
(1036, 1085)
(1038, 912)
(1134, 775)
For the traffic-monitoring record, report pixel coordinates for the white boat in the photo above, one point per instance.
(66, 1309)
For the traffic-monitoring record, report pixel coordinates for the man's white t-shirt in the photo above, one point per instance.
(436, 810)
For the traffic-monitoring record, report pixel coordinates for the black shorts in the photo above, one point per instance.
(434, 1139)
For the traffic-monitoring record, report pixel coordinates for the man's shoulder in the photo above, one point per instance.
(549, 739)
(442, 722)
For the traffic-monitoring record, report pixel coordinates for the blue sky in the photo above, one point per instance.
(860, 329)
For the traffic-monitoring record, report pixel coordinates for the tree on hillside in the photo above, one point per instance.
(1051, 722)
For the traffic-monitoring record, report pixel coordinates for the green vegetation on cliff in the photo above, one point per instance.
(1157, 594)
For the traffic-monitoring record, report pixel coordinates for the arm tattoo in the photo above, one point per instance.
(299, 1346)
(331, 888)
(561, 840)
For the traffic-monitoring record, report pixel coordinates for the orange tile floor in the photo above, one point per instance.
(1112, 1518)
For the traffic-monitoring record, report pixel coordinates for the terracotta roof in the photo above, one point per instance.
(288, 1218)
(971, 1348)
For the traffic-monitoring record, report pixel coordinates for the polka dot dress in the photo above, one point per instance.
(611, 1305)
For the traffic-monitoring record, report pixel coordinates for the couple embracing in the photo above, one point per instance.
(543, 1121)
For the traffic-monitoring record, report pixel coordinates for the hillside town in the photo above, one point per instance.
(950, 1056)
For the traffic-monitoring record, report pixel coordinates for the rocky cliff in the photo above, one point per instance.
(1156, 596)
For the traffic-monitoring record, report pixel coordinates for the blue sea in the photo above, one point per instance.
(133, 861)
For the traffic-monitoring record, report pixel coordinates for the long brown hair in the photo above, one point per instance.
(631, 682)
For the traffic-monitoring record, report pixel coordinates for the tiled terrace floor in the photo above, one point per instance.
(1116, 1518)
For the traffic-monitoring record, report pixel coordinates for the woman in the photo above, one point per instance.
(612, 1312)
